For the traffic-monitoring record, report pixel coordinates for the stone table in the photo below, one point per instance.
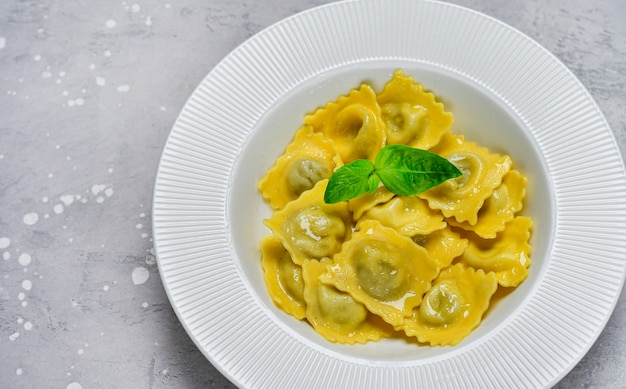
(89, 92)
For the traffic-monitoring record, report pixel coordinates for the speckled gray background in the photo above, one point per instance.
(88, 93)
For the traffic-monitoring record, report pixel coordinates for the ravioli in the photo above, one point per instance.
(384, 265)
(309, 158)
(336, 315)
(463, 197)
(508, 255)
(408, 215)
(500, 208)
(443, 245)
(412, 115)
(309, 228)
(353, 123)
(384, 270)
(453, 307)
(283, 278)
(364, 203)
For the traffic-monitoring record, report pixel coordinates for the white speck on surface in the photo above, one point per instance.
(14, 336)
(140, 275)
(20, 320)
(168, 5)
(148, 20)
(101, 81)
(80, 351)
(108, 192)
(46, 216)
(163, 108)
(24, 259)
(110, 170)
(28, 326)
(70, 240)
(74, 385)
(100, 199)
(123, 88)
(142, 215)
(105, 288)
(79, 101)
(4, 242)
(92, 67)
(46, 74)
(145, 305)
(71, 103)
(45, 200)
(58, 209)
(19, 371)
(97, 188)
(107, 53)
(3, 42)
(144, 235)
(50, 175)
(110, 23)
(150, 260)
(62, 73)
(139, 226)
(37, 57)
(67, 199)
(6, 255)
(65, 93)
(21, 296)
(135, 8)
(27, 285)
(31, 218)
(24, 303)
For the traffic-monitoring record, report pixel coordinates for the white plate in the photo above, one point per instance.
(505, 91)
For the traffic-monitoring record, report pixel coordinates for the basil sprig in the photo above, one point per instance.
(404, 170)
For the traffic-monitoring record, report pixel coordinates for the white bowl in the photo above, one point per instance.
(505, 91)
(479, 115)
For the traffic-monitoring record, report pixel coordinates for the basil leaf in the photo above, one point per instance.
(373, 182)
(408, 171)
(349, 181)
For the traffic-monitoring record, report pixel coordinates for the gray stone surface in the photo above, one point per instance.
(88, 93)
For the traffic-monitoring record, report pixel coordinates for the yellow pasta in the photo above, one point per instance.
(380, 264)
(508, 256)
(412, 115)
(499, 208)
(364, 203)
(384, 270)
(353, 123)
(308, 159)
(453, 307)
(443, 245)
(283, 277)
(310, 228)
(335, 314)
(407, 215)
(463, 197)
